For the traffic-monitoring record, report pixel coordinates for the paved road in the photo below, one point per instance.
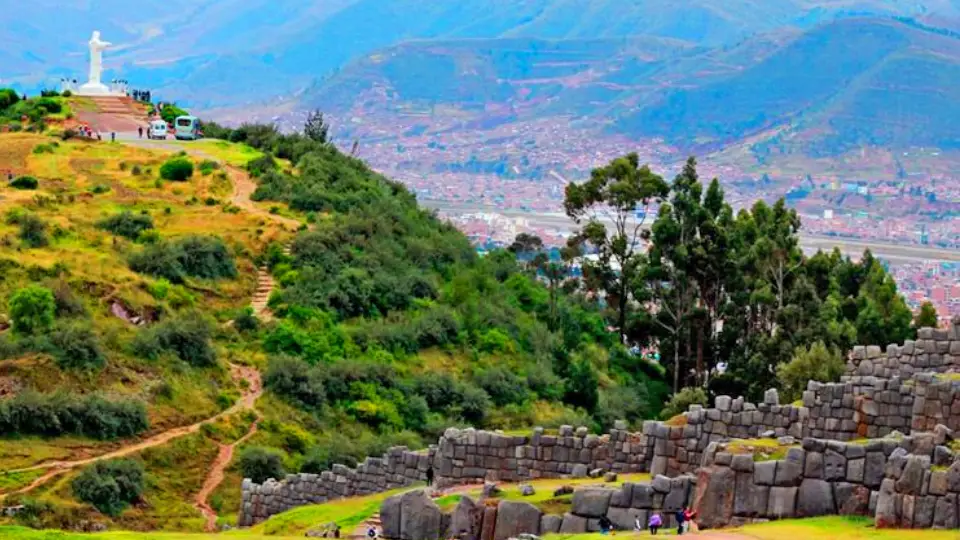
(810, 243)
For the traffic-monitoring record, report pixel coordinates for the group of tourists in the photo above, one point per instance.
(684, 518)
(141, 95)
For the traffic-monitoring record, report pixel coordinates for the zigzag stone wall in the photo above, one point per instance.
(909, 389)
(889, 478)
(934, 351)
(460, 457)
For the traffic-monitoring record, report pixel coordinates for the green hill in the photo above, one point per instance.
(125, 296)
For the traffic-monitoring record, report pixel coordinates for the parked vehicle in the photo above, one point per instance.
(187, 128)
(158, 130)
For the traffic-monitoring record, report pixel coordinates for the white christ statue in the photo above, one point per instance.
(94, 86)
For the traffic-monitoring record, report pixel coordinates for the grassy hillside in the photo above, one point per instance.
(124, 295)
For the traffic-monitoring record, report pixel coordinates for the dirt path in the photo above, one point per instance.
(243, 188)
(216, 475)
(246, 401)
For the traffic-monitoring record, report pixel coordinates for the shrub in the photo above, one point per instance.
(76, 346)
(504, 387)
(681, 401)
(43, 149)
(293, 379)
(99, 188)
(110, 486)
(816, 363)
(261, 165)
(206, 257)
(25, 182)
(177, 170)
(33, 231)
(126, 224)
(207, 167)
(260, 464)
(8, 97)
(136, 170)
(246, 321)
(54, 415)
(32, 309)
(193, 256)
(187, 337)
(68, 304)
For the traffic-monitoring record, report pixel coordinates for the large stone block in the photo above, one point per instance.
(911, 480)
(782, 503)
(420, 517)
(591, 503)
(715, 496)
(851, 499)
(945, 514)
(467, 520)
(489, 527)
(764, 473)
(873, 469)
(390, 517)
(573, 524)
(550, 524)
(815, 498)
(624, 519)
(889, 504)
(790, 469)
(750, 499)
(515, 518)
(642, 496)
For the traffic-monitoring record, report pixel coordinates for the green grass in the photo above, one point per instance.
(13, 481)
(347, 513)
(827, 528)
(232, 153)
(22, 533)
(762, 449)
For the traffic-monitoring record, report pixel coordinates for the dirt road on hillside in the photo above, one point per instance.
(253, 391)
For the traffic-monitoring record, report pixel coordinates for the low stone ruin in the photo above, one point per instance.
(878, 443)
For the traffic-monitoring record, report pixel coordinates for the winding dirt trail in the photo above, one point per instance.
(251, 394)
(243, 188)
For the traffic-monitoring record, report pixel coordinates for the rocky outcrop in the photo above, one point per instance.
(411, 516)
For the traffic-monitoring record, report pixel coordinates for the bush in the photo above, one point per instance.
(33, 231)
(110, 486)
(816, 363)
(191, 256)
(42, 149)
(68, 304)
(25, 182)
(100, 188)
(187, 337)
(261, 165)
(8, 97)
(681, 401)
(503, 386)
(246, 321)
(76, 346)
(177, 170)
(32, 309)
(260, 464)
(293, 379)
(207, 167)
(55, 415)
(127, 224)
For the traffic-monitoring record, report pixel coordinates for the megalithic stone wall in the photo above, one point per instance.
(883, 477)
(934, 351)
(461, 457)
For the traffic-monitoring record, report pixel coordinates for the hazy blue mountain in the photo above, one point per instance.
(216, 52)
(821, 91)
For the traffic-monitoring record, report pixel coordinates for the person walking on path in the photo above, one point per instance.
(113, 136)
(429, 476)
(655, 523)
(140, 131)
(681, 519)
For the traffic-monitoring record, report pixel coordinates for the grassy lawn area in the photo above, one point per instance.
(827, 528)
(234, 154)
(347, 513)
(22, 533)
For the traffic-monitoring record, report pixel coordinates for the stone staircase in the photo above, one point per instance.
(265, 286)
(118, 105)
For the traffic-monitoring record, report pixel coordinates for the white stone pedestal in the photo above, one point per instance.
(95, 89)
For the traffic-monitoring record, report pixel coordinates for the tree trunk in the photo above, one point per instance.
(700, 354)
(676, 362)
